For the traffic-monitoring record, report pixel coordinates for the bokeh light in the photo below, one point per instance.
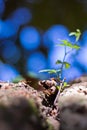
(21, 16)
(36, 62)
(10, 52)
(30, 38)
(57, 53)
(54, 34)
(72, 73)
(7, 72)
(81, 57)
(7, 29)
(84, 38)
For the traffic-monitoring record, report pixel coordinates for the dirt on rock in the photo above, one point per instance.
(73, 107)
(24, 108)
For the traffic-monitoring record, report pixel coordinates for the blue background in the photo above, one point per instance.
(29, 32)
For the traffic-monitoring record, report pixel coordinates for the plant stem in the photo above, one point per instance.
(69, 51)
(63, 62)
(66, 53)
(58, 94)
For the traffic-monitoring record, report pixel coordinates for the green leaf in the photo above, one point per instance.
(58, 62)
(69, 44)
(72, 33)
(67, 65)
(65, 84)
(52, 72)
(77, 34)
(49, 71)
(75, 46)
(58, 71)
(58, 87)
(66, 43)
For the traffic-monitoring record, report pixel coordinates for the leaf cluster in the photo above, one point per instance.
(64, 64)
(69, 44)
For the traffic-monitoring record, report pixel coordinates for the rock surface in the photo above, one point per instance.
(21, 108)
(73, 107)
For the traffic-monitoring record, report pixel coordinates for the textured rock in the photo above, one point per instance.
(73, 107)
(22, 108)
(20, 115)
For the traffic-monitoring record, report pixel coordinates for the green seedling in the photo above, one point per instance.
(64, 64)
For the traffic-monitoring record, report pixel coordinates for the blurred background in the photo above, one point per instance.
(29, 32)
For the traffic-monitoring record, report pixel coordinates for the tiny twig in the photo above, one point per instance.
(63, 62)
(58, 94)
(69, 51)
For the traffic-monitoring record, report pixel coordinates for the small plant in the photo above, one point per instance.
(64, 64)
